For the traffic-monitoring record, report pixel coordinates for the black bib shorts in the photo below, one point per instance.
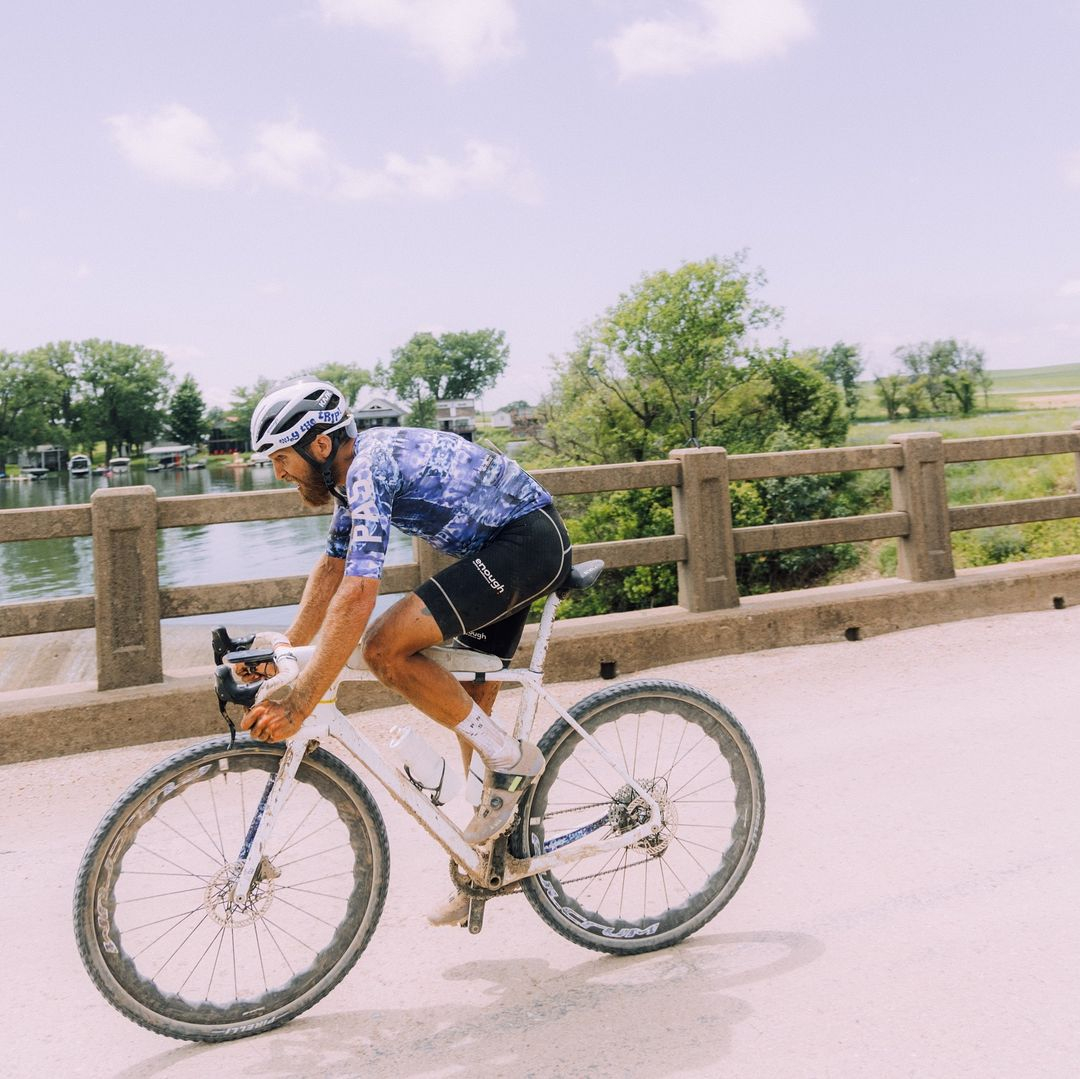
(484, 599)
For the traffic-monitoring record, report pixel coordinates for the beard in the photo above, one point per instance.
(312, 490)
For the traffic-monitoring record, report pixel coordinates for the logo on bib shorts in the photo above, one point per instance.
(487, 575)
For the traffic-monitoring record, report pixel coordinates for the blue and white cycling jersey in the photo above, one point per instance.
(431, 484)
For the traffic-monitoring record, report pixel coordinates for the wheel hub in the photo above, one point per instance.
(239, 910)
(629, 810)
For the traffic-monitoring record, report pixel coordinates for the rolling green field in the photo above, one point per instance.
(990, 481)
(1010, 387)
(1062, 377)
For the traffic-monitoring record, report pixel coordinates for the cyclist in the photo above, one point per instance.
(462, 499)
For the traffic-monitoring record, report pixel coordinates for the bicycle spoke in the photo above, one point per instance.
(317, 854)
(220, 848)
(157, 895)
(169, 861)
(258, 949)
(308, 913)
(179, 946)
(178, 919)
(213, 969)
(314, 805)
(190, 952)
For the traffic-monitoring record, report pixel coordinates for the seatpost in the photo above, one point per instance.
(543, 634)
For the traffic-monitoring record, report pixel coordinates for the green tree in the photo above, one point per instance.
(843, 364)
(186, 419)
(347, 377)
(22, 420)
(802, 399)
(450, 367)
(952, 372)
(123, 393)
(237, 416)
(679, 342)
(890, 391)
(56, 374)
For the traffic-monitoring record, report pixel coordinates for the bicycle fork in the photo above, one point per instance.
(252, 858)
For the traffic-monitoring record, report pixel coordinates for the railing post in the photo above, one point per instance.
(702, 504)
(127, 607)
(918, 489)
(1076, 458)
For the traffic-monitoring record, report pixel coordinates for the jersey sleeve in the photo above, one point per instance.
(372, 483)
(337, 540)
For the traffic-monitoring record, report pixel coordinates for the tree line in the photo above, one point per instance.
(675, 361)
(82, 394)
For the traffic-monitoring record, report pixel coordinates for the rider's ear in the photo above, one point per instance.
(322, 445)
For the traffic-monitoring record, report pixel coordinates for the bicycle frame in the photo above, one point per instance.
(327, 723)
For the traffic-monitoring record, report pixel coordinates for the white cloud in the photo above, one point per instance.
(718, 31)
(179, 146)
(288, 155)
(483, 167)
(174, 144)
(1070, 288)
(459, 34)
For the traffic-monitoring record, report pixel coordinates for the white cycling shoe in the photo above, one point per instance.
(502, 792)
(454, 911)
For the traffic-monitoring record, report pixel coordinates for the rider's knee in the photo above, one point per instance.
(380, 655)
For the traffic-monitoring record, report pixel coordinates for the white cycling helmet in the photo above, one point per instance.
(292, 414)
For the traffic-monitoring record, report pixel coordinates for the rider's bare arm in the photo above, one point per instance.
(344, 625)
(322, 585)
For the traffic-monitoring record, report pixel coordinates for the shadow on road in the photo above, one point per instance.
(653, 1014)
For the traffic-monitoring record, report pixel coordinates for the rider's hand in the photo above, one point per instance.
(269, 639)
(272, 721)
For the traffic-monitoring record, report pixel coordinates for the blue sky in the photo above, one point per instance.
(257, 186)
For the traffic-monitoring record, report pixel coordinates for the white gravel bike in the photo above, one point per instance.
(236, 883)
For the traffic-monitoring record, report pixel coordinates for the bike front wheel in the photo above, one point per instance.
(696, 761)
(157, 925)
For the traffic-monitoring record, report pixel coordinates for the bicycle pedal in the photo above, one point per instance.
(476, 914)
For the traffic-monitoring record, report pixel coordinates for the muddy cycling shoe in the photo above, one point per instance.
(454, 911)
(502, 792)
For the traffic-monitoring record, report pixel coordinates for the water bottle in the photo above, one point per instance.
(428, 771)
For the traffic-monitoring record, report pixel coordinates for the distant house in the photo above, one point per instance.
(54, 458)
(520, 420)
(378, 412)
(456, 416)
(230, 439)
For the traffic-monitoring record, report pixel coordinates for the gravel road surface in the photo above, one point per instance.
(912, 910)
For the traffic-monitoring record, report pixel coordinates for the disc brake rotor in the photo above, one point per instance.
(629, 810)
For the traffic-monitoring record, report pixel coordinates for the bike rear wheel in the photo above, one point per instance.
(696, 761)
(154, 921)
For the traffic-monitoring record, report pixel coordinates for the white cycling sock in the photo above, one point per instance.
(497, 749)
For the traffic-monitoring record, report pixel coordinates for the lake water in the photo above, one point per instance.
(205, 554)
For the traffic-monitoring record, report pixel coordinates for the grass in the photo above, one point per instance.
(988, 481)
(981, 425)
(1010, 387)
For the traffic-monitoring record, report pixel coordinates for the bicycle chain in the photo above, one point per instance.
(470, 888)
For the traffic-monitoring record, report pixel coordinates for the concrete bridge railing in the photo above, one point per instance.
(128, 604)
(136, 700)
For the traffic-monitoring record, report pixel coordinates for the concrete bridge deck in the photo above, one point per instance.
(912, 911)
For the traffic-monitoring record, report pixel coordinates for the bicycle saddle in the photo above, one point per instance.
(581, 576)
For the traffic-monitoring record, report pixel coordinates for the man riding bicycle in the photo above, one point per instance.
(463, 500)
